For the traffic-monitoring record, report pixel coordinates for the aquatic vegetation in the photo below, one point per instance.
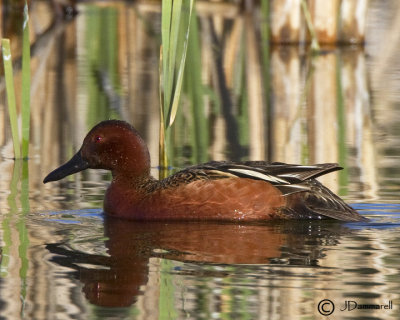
(11, 101)
(175, 29)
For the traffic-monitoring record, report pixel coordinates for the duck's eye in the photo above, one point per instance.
(98, 138)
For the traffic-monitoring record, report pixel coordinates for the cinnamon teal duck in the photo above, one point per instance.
(216, 190)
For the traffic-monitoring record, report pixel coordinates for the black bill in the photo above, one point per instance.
(76, 164)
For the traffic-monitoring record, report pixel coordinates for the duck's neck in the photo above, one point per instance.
(132, 175)
(132, 181)
(132, 166)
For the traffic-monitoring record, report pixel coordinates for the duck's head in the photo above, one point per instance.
(112, 145)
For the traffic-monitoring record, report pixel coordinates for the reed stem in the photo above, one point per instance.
(12, 107)
(26, 84)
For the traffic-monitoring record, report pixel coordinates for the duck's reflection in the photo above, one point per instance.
(117, 278)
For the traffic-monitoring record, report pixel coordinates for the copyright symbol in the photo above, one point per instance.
(326, 307)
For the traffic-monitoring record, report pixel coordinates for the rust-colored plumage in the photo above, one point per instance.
(224, 191)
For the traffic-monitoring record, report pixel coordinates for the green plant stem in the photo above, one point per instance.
(175, 28)
(12, 108)
(26, 84)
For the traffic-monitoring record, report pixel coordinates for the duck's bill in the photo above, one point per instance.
(76, 164)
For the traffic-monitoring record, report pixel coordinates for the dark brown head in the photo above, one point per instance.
(112, 145)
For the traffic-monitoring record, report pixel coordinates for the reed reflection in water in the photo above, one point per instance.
(242, 100)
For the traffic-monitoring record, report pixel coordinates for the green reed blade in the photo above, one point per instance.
(174, 48)
(26, 84)
(195, 92)
(175, 27)
(166, 85)
(174, 40)
(12, 107)
(173, 109)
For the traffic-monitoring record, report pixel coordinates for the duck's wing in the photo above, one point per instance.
(294, 172)
(287, 177)
(306, 196)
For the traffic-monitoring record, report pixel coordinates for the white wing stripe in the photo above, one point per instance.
(259, 175)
